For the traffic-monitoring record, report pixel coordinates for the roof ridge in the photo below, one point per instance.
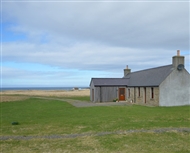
(106, 78)
(151, 68)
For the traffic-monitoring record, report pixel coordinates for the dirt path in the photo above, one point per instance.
(78, 103)
(160, 130)
(23, 95)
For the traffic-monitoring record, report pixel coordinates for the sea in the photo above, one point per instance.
(42, 88)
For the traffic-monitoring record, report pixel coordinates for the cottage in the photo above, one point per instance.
(167, 85)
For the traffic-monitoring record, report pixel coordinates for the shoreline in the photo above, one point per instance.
(46, 93)
(42, 88)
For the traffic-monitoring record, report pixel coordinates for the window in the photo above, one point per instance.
(139, 92)
(128, 92)
(152, 93)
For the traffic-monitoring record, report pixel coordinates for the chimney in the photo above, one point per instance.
(176, 60)
(126, 71)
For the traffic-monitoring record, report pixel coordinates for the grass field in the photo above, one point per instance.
(39, 117)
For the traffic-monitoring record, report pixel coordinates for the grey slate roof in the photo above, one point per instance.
(148, 77)
(110, 81)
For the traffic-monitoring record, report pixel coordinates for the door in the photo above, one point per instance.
(121, 94)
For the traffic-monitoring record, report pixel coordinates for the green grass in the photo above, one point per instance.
(46, 117)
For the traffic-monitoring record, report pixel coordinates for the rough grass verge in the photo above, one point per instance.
(47, 117)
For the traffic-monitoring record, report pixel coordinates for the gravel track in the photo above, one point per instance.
(160, 130)
(78, 103)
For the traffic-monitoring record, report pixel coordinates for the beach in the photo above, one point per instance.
(14, 95)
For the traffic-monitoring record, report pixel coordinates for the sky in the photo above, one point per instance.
(66, 43)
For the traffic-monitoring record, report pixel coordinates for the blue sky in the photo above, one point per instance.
(66, 43)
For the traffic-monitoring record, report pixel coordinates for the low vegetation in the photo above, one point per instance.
(42, 117)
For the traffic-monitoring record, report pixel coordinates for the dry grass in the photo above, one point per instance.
(8, 98)
(77, 145)
(16, 95)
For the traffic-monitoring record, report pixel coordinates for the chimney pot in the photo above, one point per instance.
(178, 52)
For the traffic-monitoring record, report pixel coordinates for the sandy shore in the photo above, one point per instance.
(12, 95)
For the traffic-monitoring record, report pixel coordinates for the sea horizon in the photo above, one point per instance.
(42, 88)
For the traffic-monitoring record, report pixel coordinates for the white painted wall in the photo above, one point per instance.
(175, 89)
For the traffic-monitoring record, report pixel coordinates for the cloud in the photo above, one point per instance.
(81, 56)
(134, 25)
(91, 39)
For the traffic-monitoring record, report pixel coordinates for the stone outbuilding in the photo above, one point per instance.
(167, 85)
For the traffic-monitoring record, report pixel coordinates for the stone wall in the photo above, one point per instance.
(139, 97)
(155, 100)
(130, 94)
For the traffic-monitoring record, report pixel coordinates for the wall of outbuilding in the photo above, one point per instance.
(103, 94)
(108, 94)
(91, 90)
(175, 89)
